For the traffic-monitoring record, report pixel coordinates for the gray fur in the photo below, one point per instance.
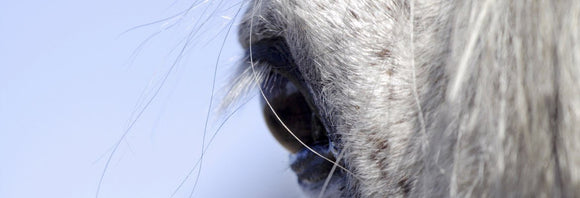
(463, 98)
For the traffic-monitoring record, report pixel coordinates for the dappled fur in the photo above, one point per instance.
(440, 98)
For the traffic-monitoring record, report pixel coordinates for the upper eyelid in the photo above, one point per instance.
(273, 51)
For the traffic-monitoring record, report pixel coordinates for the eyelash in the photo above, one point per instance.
(274, 55)
(272, 64)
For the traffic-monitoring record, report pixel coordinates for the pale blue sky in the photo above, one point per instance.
(69, 88)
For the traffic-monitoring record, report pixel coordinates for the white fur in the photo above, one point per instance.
(449, 98)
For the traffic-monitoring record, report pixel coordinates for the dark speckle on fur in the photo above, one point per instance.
(439, 98)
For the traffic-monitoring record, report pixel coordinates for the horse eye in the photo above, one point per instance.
(293, 109)
(289, 100)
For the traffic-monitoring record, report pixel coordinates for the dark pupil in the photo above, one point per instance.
(291, 106)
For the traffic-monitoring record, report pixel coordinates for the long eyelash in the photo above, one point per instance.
(330, 174)
(245, 83)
